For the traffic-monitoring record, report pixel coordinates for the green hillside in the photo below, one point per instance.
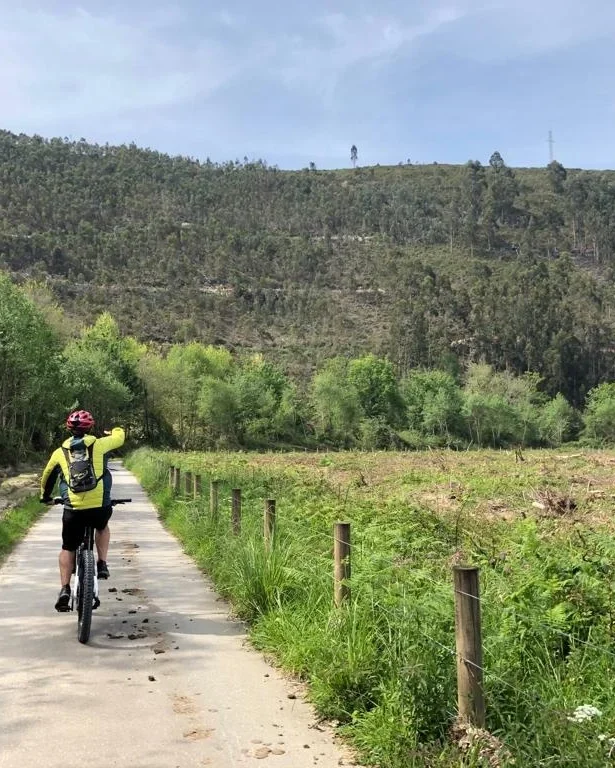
(430, 265)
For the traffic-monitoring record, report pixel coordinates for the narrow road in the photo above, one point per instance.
(166, 680)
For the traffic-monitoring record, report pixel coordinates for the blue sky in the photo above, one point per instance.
(298, 82)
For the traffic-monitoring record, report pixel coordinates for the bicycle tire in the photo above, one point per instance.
(85, 597)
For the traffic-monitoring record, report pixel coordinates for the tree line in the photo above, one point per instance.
(429, 266)
(196, 396)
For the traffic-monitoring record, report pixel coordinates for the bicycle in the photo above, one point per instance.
(85, 594)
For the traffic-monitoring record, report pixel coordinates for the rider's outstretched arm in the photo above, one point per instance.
(112, 441)
(50, 476)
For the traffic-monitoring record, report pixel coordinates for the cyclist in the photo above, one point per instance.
(85, 487)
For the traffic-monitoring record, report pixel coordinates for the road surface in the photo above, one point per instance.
(166, 681)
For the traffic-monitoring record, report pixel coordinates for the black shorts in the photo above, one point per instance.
(74, 522)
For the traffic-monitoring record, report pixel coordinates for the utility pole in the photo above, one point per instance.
(551, 142)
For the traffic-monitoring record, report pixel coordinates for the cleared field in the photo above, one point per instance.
(538, 525)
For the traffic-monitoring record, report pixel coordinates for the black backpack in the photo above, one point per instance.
(81, 475)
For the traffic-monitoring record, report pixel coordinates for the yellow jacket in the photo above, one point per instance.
(57, 467)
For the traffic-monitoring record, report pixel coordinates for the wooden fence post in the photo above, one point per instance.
(468, 641)
(171, 476)
(269, 522)
(177, 480)
(198, 486)
(236, 511)
(188, 485)
(341, 556)
(213, 498)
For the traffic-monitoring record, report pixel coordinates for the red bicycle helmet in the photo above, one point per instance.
(80, 421)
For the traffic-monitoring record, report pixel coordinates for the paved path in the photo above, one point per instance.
(184, 691)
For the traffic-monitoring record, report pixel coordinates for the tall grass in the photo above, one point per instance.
(383, 666)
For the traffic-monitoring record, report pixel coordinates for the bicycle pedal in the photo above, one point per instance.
(96, 604)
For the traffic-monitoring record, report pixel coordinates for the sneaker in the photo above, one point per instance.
(63, 601)
(102, 570)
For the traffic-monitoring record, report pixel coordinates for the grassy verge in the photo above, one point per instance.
(384, 667)
(15, 524)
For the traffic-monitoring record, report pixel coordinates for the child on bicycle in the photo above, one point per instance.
(80, 464)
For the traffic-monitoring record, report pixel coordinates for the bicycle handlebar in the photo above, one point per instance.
(60, 500)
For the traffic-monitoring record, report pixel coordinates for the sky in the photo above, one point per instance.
(294, 83)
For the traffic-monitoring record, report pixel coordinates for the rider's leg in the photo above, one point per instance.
(102, 543)
(67, 563)
(72, 534)
(103, 535)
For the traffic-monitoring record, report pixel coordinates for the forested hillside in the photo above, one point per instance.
(434, 266)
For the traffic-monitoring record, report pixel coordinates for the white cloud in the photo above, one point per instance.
(227, 19)
(75, 63)
(370, 36)
(341, 41)
(81, 64)
(129, 74)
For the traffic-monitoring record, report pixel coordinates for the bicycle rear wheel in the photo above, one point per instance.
(85, 595)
